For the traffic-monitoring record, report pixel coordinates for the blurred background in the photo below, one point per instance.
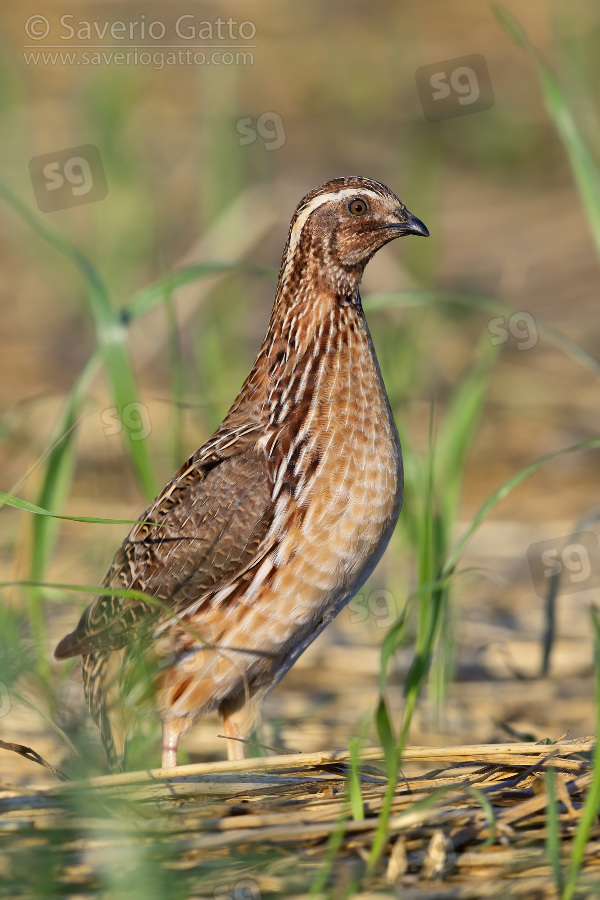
(143, 140)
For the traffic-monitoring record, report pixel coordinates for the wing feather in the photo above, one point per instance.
(211, 520)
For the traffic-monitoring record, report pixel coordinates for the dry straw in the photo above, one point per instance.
(467, 821)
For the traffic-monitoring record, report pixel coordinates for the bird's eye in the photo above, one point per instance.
(358, 207)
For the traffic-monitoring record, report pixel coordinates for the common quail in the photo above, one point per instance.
(278, 519)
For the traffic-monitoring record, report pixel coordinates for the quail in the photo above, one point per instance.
(277, 520)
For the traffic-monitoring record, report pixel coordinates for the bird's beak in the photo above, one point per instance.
(409, 224)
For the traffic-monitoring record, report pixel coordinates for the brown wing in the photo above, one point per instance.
(211, 520)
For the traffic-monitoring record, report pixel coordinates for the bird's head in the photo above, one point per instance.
(339, 226)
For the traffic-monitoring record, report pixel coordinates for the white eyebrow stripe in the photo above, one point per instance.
(319, 201)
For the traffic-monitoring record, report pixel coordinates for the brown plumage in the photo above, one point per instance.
(275, 523)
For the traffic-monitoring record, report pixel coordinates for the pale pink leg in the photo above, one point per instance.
(231, 727)
(240, 717)
(171, 732)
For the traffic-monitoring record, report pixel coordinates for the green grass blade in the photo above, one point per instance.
(393, 637)
(152, 296)
(418, 806)
(175, 360)
(18, 503)
(430, 623)
(592, 800)
(480, 303)
(111, 337)
(392, 764)
(112, 351)
(584, 167)
(489, 814)
(458, 429)
(354, 789)
(125, 593)
(53, 493)
(57, 476)
(449, 462)
(336, 839)
(509, 485)
(427, 546)
(553, 828)
(427, 803)
(386, 737)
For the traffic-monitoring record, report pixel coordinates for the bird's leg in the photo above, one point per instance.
(241, 715)
(171, 732)
(231, 726)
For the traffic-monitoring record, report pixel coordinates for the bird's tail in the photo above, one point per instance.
(101, 684)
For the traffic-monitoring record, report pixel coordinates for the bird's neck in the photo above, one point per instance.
(317, 322)
(312, 288)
